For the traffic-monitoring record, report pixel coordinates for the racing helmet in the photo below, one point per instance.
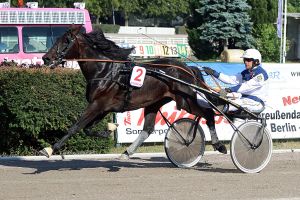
(253, 54)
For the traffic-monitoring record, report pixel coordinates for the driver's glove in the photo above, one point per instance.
(224, 92)
(211, 71)
(228, 90)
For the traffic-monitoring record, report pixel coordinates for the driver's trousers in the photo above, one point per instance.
(250, 104)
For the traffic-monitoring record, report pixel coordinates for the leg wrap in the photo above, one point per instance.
(140, 139)
(214, 136)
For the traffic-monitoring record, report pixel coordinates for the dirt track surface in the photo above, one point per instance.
(151, 178)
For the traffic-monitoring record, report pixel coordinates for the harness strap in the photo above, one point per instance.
(147, 63)
(127, 97)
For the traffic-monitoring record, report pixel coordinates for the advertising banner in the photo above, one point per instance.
(282, 110)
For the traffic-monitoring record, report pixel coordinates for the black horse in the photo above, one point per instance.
(105, 67)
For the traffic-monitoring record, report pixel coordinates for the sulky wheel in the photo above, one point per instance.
(183, 146)
(251, 149)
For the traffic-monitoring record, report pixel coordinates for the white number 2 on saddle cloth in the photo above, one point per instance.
(137, 76)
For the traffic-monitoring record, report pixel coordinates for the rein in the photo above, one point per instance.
(151, 64)
(74, 38)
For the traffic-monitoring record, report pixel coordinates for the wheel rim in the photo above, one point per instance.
(179, 153)
(245, 158)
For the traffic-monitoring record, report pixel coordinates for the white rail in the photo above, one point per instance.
(155, 39)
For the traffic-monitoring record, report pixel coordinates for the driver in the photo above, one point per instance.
(250, 85)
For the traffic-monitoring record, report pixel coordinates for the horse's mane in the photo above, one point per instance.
(108, 48)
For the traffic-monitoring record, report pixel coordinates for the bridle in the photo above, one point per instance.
(71, 39)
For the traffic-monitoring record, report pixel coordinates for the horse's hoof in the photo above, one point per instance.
(220, 147)
(46, 152)
(124, 156)
(112, 126)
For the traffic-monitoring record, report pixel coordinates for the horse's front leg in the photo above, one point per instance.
(92, 111)
(210, 122)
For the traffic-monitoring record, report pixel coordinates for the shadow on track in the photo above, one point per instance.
(64, 165)
(109, 165)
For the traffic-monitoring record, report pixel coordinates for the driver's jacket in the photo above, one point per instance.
(251, 84)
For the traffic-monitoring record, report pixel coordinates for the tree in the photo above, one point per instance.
(45, 3)
(294, 6)
(104, 8)
(217, 24)
(264, 14)
(56, 3)
(263, 11)
(167, 8)
(101, 8)
(129, 7)
(267, 42)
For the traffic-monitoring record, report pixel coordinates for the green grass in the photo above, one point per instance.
(143, 149)
(286, 144)
(157, 148)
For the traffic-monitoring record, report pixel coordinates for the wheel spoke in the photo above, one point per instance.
(175, 141)
(177, 134)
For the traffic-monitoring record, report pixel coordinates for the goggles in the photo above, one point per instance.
(248, 59)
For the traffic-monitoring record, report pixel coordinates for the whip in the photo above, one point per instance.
(183, 56)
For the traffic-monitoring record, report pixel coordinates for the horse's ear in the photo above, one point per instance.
(75, 28)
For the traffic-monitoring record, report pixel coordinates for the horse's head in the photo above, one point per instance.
(62, 47)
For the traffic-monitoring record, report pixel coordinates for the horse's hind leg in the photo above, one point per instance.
(89, 115)
(150, 115)
(209, 115)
